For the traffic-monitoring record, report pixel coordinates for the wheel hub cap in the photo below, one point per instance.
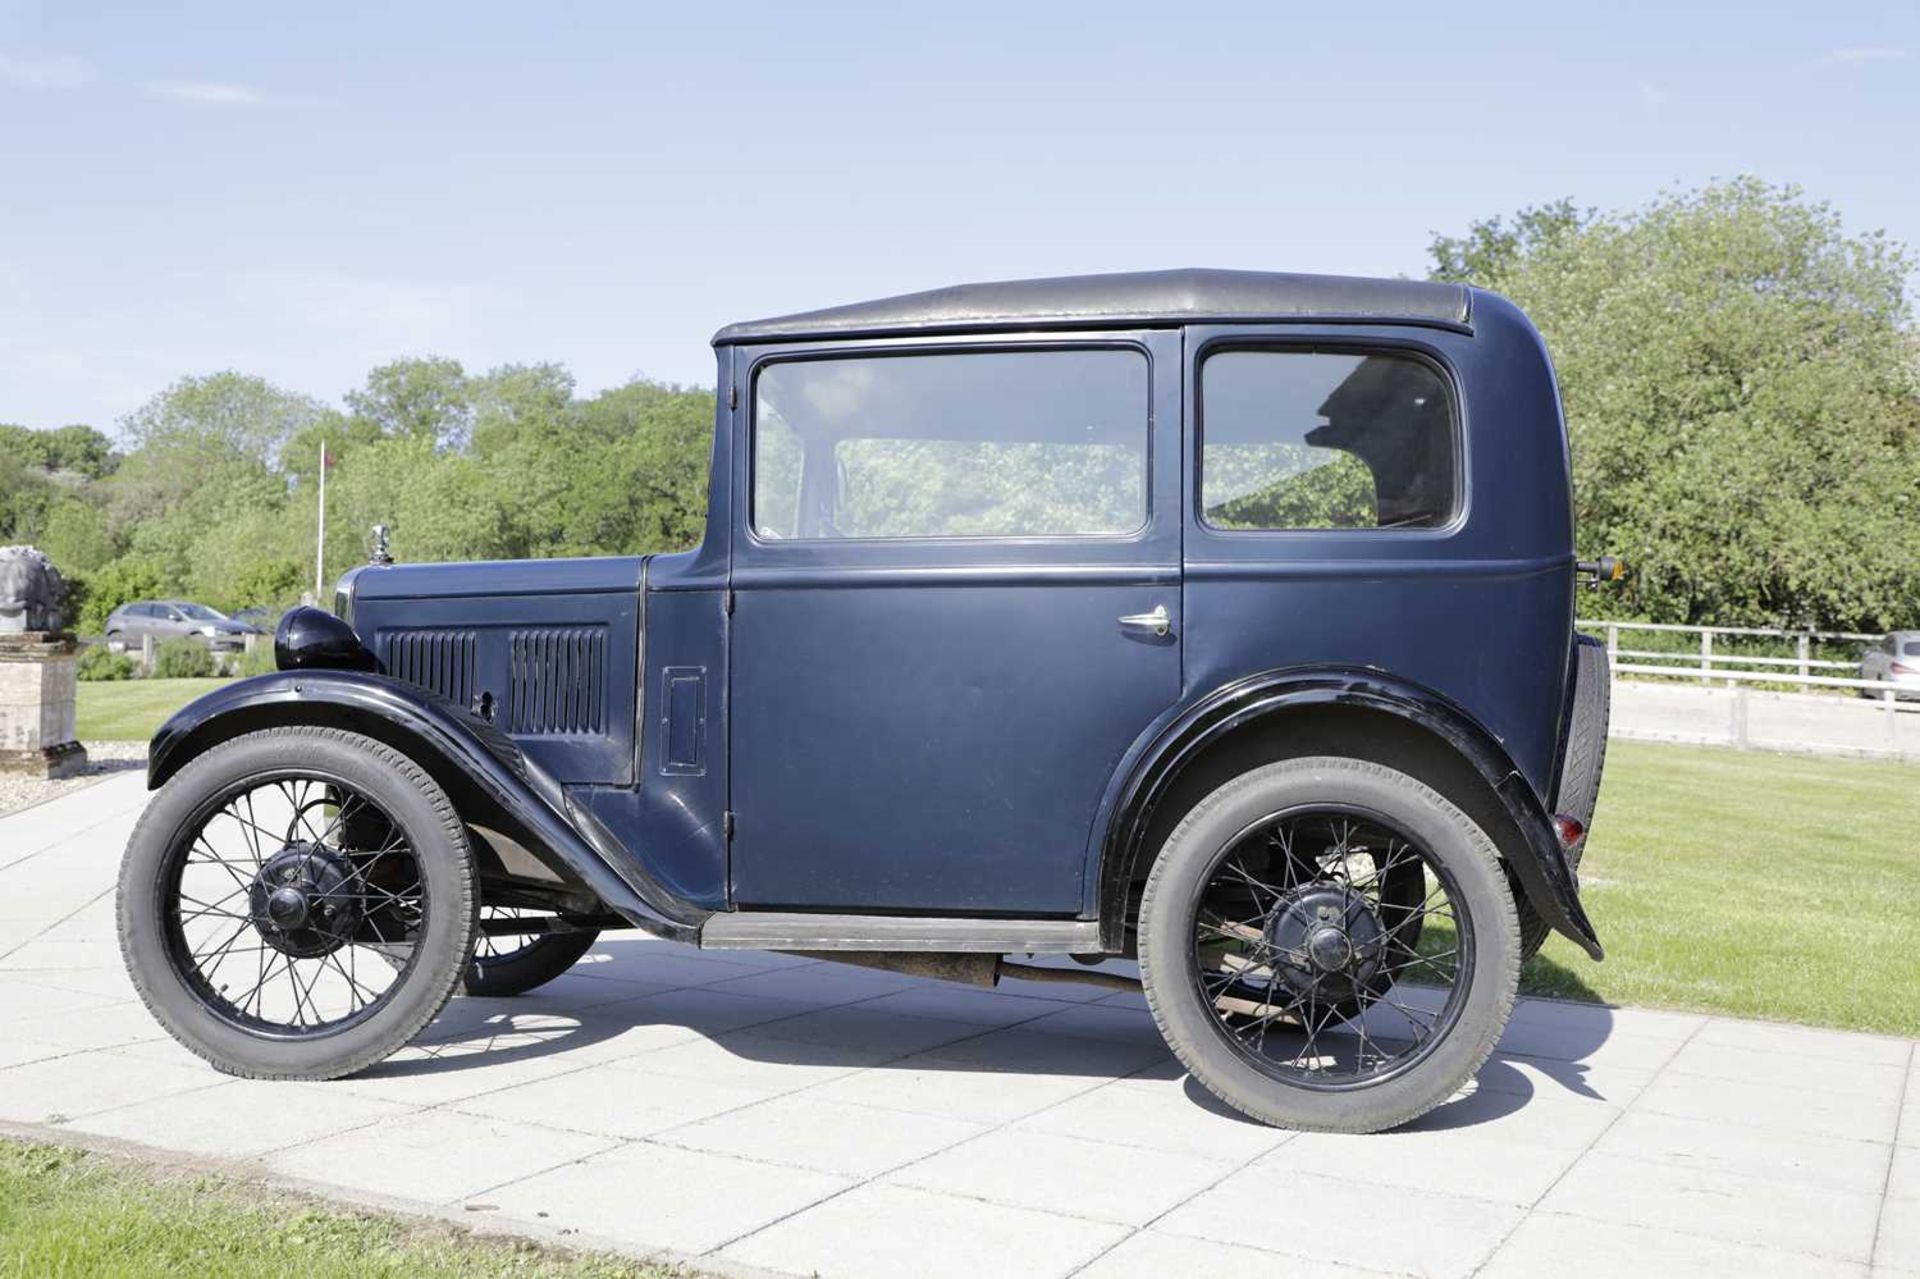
(1328, 940)
(304, 901)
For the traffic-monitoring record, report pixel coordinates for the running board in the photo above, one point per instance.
(782, 930)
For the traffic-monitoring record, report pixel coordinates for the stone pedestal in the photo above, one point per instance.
(37, 691)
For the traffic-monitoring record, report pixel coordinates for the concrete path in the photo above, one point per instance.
(1744, 718)
(763, 1113)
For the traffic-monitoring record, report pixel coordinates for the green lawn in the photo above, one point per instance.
(130, 710)
(67, 1212)
(1779, 886)
(1760, 885)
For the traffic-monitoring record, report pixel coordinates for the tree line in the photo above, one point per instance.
(1741, 379)
(210, 492)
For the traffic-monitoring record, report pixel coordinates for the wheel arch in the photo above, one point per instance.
(491, 784)
(1361, 713)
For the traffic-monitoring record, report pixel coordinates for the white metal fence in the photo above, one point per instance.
(1717, 663)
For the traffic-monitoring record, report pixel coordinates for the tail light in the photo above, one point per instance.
(1570, 830)
(1901, 668)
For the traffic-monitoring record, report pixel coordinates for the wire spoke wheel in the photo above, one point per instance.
(496, 945)
(507, 962)
(1331, 950)
(292, 904)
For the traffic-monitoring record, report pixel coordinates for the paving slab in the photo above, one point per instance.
(883, 1232)
(1768, 1212)
(439, 1157)
(1793, 1103)
(1839, 1163)
(1569, 1247)
(1153, 1255)
(1465, 1163)
(824, 1136)
(1069, 1176)
(659, 1196)
(1897, 1247)
(240, 1119)
(795, 1116)
(1354, 1223)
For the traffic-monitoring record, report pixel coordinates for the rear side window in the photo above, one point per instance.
(1911, 648)
(959, 444)
(1316, 439)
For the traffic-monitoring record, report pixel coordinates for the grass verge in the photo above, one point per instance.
(71, 1212)
(131, 710)
(1776, 886)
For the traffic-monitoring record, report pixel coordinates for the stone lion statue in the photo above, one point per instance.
(31, 591)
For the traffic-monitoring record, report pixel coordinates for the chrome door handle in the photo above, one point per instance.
(1157, 621)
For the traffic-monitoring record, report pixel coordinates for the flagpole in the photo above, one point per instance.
(320, 539)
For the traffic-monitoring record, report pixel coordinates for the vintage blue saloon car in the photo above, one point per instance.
(1220, 620)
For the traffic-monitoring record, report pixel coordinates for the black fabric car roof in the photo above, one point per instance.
(1135, 298)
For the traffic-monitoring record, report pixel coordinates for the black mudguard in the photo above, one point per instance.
(1540, 865)
(490, 781)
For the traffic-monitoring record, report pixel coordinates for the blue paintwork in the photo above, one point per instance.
(494, 601)
(1482, 610)
(928, 725)
(959, 726)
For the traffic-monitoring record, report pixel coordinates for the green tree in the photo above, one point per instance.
(246, 415)
(426, 398)
(120, 582)
(1742, 395)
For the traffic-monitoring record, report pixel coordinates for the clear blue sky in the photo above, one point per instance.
(302, 192)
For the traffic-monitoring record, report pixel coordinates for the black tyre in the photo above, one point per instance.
(1329, 944)
(297, 903)
(515, 963)
(1586, 758)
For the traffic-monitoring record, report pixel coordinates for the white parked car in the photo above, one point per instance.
(1895, 658)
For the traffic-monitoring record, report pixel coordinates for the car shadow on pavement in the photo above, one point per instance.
(866, 1028)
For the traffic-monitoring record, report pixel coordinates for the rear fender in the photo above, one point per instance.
(491, 783)
(1536, 859)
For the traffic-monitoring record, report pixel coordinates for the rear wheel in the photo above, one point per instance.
(297, 903)
(507, 963)
(1329, 944)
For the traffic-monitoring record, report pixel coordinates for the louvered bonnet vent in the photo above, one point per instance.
(558, 681)
(440, 660)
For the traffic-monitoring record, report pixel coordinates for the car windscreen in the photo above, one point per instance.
(201, 613)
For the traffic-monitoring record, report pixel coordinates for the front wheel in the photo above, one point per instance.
(297, 903)
(1329, 944)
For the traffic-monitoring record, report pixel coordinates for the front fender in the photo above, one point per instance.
(1540, 865)
(477, 764)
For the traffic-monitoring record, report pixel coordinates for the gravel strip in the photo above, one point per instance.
(104, 759)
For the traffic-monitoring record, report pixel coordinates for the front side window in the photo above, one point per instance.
(1308, 439)
(955, 444)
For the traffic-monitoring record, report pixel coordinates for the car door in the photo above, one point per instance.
(956, 606)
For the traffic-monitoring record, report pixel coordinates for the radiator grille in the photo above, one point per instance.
(439, 660)
(558, 680)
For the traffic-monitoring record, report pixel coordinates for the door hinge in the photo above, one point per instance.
(733, 397)
(726, 823)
